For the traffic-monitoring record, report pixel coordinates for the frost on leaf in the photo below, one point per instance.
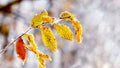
(67, 16)
(76, 24)
(64, 31)
(41, 59)
(30, 39)
(41, 18)
(44, 12)
(39, 55)
(48, 38)
(20, 49)
(78, 30)
(37, 19)
(47, 19)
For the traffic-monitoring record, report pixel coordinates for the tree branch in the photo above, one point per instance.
(3, 50)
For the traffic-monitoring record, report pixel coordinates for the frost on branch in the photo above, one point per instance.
(39, 21)
(39, 55)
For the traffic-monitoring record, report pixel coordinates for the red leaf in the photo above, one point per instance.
(20, 49)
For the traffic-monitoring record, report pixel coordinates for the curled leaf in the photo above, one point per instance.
(30, 39)
(20, 49)
(48, 38)
(78, 30)
(64, 31)
(39, 55)
(67, 16)
(76, 24)
(41, 59)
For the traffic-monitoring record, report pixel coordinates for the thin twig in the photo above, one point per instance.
(56, 21)
(3, 50)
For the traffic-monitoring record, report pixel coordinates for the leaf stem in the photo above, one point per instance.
(56, 21)
(3, 50)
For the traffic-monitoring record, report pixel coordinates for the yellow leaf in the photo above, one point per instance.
(48, 38)
(39, 55)
(78, 30)
(37, 19)
(30, 39)
(47, 19)
(64, 31)
(41, 59)
(76, 24)
(67, 16)
(44, 12)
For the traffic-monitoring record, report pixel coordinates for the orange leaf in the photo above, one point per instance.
(20, 49)
(41, 59)
(78, 30)
(75, 23)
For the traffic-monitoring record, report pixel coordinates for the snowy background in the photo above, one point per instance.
(100, 19)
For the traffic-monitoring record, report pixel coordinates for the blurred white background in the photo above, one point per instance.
(100, 19)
